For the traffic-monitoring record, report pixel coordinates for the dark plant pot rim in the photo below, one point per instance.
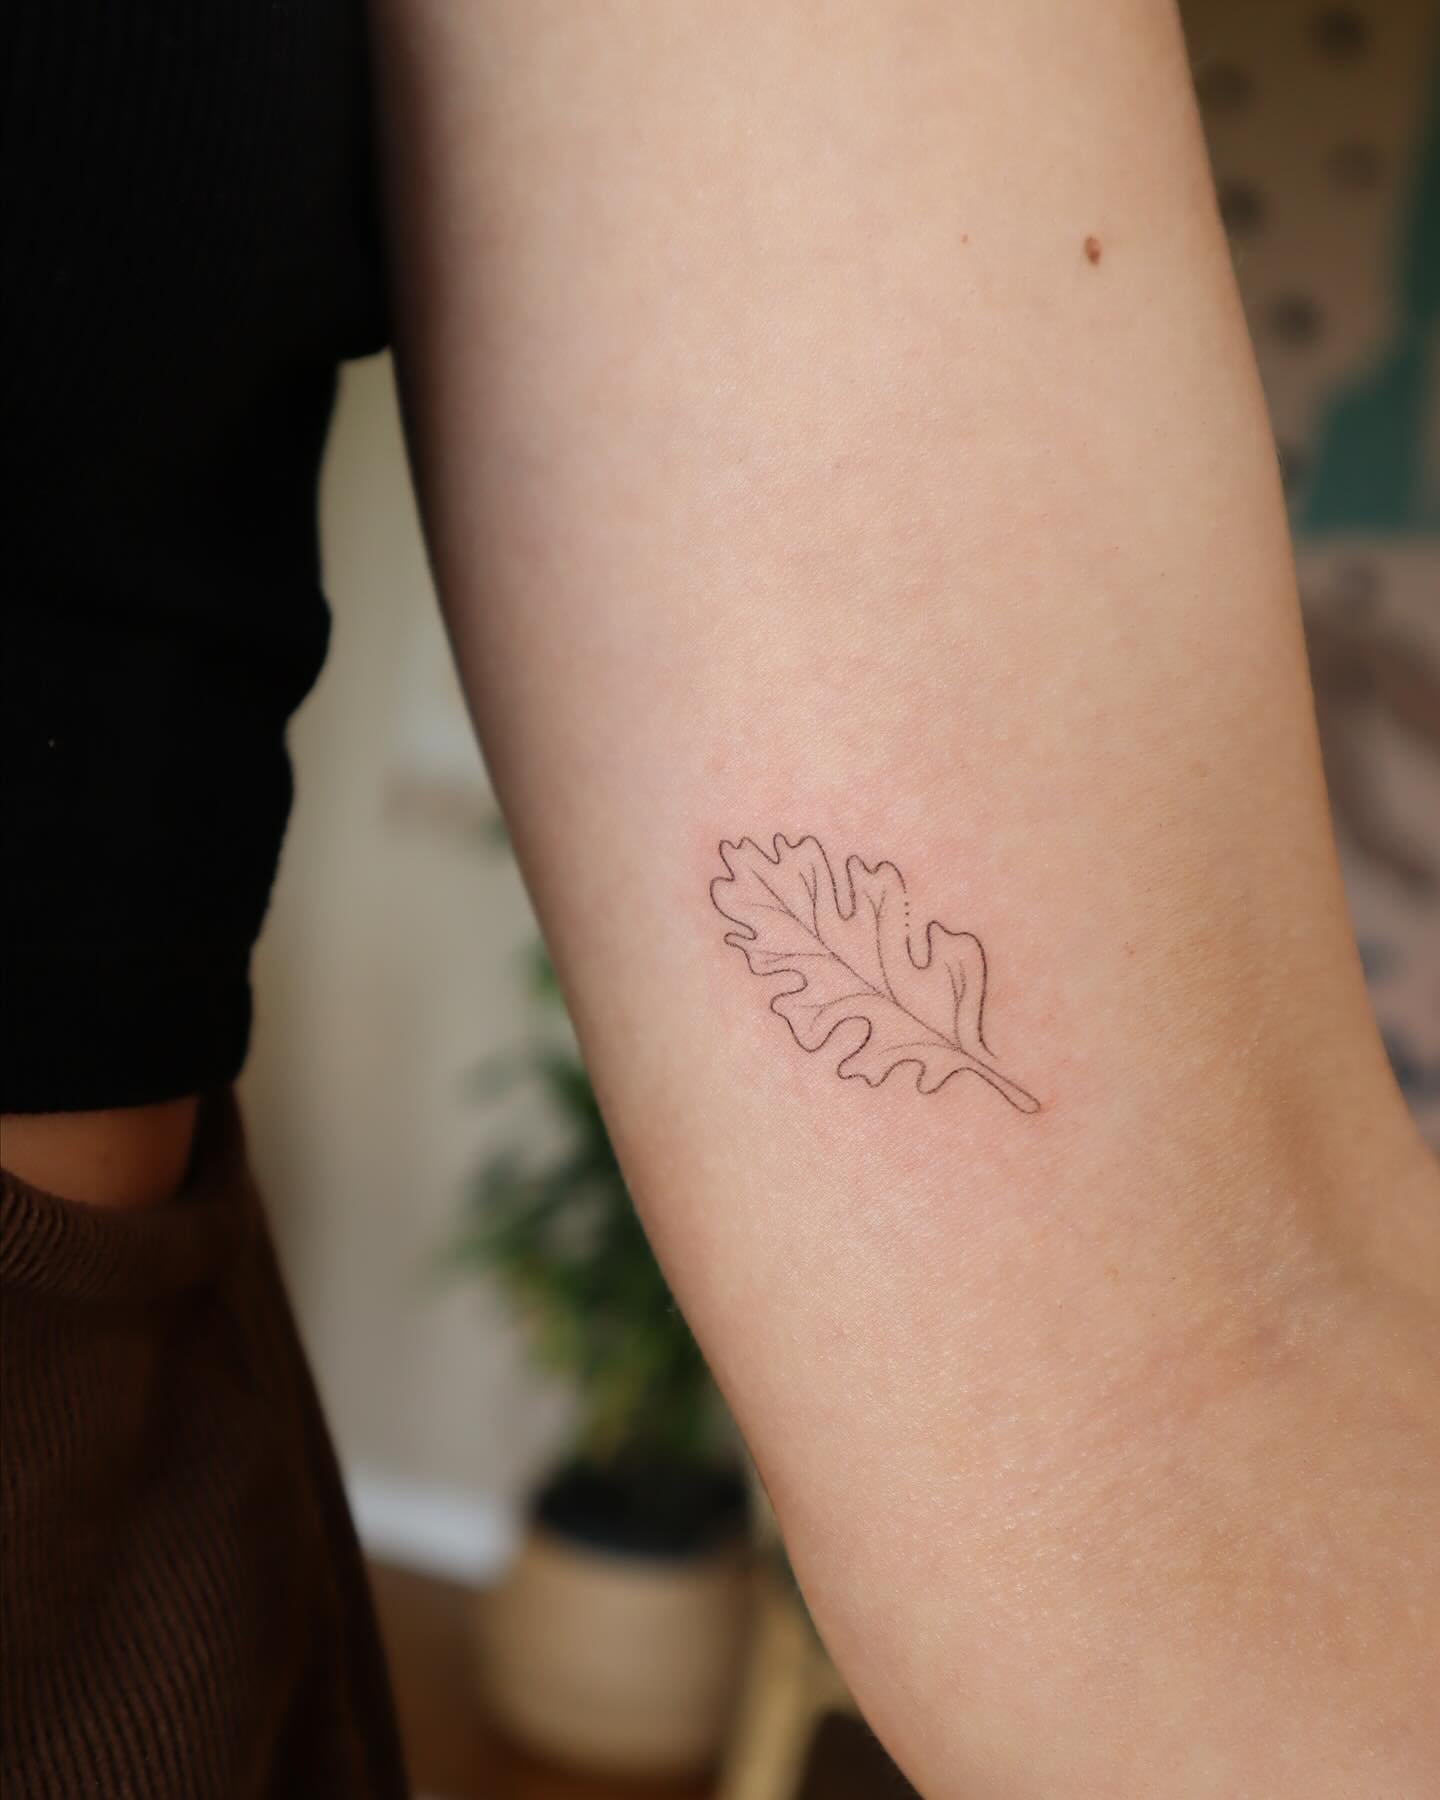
(650, 1512)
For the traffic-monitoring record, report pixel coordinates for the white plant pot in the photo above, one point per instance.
(616, 1662)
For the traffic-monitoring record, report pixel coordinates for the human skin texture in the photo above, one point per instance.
(837, 422)
(125, 1156)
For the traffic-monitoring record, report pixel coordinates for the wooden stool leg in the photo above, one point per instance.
(780, 1707)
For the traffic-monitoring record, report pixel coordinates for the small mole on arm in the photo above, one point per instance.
(1093, 249)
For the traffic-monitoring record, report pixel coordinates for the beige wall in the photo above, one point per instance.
(386, 967)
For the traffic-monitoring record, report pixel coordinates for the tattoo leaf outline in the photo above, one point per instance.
(853, 956)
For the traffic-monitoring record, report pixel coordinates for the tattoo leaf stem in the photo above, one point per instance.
(852, 954)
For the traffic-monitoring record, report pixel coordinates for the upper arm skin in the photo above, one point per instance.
(838, 419)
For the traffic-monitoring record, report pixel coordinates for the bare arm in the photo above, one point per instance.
(837, 421)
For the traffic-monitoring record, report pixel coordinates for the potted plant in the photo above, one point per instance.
(615, 1638)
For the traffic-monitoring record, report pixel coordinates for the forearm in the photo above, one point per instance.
(845, 427)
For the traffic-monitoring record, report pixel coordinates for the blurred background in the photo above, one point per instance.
(478, 1303)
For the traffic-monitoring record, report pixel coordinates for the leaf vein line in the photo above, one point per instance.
(885, 993)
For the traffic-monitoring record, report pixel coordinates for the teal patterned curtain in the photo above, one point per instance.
(1377, 466)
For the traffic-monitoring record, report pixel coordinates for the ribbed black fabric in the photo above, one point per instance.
(187, 249)
(183, 1609)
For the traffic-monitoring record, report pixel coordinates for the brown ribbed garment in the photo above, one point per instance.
(184, 1606)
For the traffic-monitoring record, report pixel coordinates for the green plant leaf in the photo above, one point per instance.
(563, 1243)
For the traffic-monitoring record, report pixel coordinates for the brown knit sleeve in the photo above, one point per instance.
(183, 1605)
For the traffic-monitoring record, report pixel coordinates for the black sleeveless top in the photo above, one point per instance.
(188, 247)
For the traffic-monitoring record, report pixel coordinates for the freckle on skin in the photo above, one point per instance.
(1093, 249)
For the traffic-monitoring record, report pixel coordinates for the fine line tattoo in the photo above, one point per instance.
(851, 950)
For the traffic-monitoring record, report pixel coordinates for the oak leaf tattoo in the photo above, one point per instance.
(852, 955)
